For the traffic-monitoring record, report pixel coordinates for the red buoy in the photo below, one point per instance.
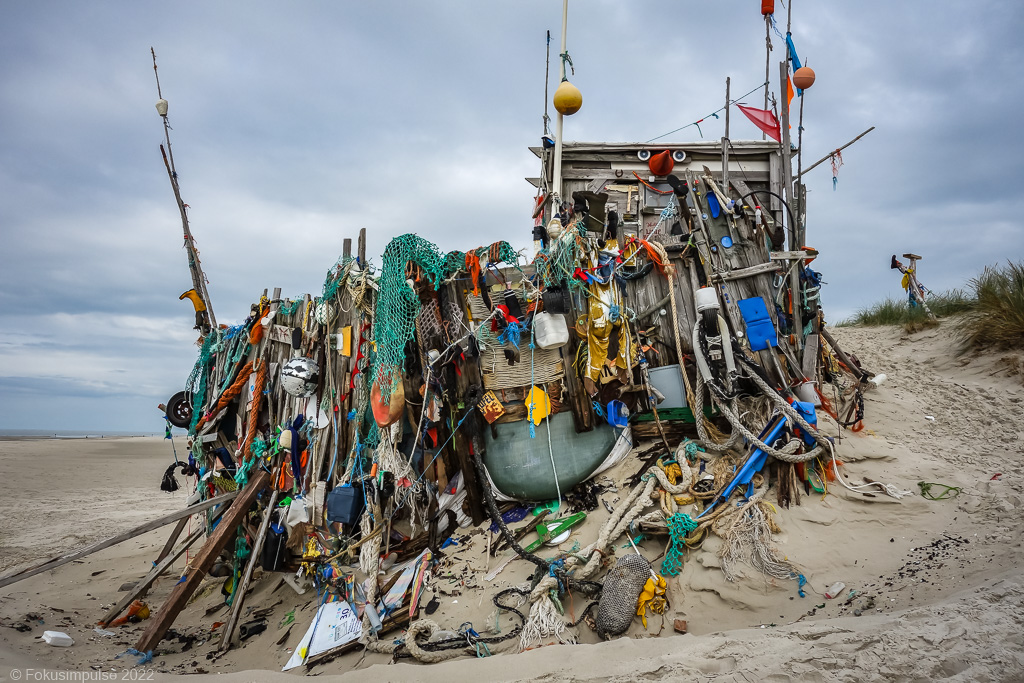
(767, 7)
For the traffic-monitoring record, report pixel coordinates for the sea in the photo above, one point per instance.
(71, 434)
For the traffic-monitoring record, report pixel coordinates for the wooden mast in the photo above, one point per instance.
(196, 269)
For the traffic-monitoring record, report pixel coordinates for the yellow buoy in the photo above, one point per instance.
(568, 99)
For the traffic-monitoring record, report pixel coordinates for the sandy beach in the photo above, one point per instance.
(934, 590)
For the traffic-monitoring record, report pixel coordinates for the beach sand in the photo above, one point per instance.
(934, 590)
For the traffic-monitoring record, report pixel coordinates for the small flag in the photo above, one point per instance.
(763, 119)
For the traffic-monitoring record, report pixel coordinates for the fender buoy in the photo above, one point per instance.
(386, 413)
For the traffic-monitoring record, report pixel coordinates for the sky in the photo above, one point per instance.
(296, 124)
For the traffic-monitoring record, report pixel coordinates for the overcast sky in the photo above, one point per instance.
(297, 123)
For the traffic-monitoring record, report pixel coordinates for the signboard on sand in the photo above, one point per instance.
(334, 625)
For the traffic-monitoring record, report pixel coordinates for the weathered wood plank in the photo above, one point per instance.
(217, 541)
(749, 271)
(55, 562)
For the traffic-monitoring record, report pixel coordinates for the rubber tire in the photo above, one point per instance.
(179, 410)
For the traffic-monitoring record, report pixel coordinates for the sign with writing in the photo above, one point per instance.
(490, 407)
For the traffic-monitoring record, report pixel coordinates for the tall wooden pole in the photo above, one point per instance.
(556, 185)
(198, 277)
(787, 174)
(725, 142)
(767, 62)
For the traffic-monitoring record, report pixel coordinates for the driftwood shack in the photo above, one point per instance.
(668, 313)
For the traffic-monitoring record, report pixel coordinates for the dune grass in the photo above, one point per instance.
(899, 312)
(996, 318)
(990, 311)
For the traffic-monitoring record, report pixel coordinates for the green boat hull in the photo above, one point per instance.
(521, 467)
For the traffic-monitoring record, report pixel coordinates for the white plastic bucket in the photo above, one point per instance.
(805, 391)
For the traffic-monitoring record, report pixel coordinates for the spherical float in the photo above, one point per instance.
(803, 78)
(568, 99)
(299, 377)
(324, 312)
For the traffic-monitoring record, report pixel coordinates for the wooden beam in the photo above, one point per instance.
(114, 540)
(362, 248)
(829, 155)
(217, 541)
(142, 586)
(741, 273)
(810, 359)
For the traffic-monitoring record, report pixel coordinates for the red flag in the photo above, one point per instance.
(763, 119)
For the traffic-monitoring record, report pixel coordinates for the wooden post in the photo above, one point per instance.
(220, 538)
(787, 174)
(243, 585)
(362, 248)
(114, 540)
(725, 142)
(346, 247)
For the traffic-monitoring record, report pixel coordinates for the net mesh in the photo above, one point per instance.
(559, 261)
(619, 596)
(398, 304)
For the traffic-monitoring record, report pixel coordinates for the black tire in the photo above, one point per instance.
(179, 410)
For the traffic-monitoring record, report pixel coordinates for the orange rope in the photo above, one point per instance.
(825, 404)
(254, 410)
(648, 185)
(229, 395)
(651, 254)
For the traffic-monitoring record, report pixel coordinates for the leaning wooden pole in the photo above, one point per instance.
(196, 269)
(832, 153)
(217, 541)
(114, 540)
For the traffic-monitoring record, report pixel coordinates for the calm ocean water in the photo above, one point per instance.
(69, 434)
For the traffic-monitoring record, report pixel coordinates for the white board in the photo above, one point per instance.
(334, 625)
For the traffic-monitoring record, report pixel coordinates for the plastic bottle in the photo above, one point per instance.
(835, 589)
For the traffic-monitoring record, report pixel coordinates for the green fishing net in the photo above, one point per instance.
(397, 303)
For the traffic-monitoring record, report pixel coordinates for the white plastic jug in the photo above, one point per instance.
(550, 331)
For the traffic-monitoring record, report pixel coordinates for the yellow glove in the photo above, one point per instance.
(653, 596)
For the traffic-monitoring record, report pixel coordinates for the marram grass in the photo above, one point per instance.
(996, 318)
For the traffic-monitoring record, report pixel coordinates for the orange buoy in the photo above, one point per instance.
(803, 78)
(568, 99)
(386, 413)
(767, 7)
(661, 164)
